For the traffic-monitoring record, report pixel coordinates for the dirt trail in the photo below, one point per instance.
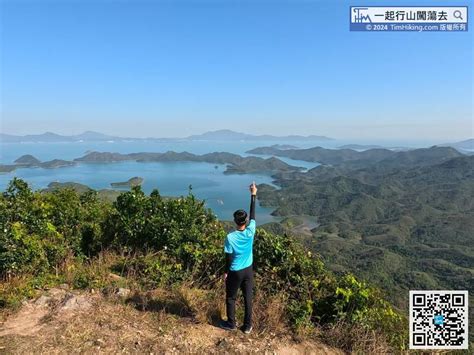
(65, 322)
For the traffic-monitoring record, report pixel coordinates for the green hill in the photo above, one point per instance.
(382, 158)
(398, 226)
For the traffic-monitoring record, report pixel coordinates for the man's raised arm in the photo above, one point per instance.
(252, 224)
(253, 196)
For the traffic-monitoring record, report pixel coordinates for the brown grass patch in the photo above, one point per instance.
(355, 339)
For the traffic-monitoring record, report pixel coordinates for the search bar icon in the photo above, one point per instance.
(457, 14)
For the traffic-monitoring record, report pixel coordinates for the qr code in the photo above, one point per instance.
(438, 320)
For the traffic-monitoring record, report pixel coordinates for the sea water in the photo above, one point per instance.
(222, 193)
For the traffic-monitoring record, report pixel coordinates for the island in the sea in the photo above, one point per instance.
(29, 161)
(235, 164)
(134, 181)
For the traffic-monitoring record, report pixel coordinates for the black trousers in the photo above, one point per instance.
(242, 279)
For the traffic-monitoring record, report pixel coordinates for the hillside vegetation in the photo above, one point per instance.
(359, 159)
(405, 222)
(150, 244)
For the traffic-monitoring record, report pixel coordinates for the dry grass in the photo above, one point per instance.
(269, 314)
(13, 291)
(117, 328)
(183, 318)
(355, 339)
(206, 306)
(133, 327)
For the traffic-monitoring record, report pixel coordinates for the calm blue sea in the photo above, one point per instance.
(222, 193)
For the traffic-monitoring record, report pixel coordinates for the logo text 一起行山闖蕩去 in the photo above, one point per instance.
(409, 18)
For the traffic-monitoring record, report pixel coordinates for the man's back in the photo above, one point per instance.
(239, 244)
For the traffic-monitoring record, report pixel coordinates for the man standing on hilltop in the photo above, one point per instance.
(239, 264)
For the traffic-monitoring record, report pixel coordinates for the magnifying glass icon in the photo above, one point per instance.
(457, 14)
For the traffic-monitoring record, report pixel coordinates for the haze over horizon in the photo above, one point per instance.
(225, 135)
(165, 69)
(224, 130)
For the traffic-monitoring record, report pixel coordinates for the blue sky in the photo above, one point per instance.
(174, 68)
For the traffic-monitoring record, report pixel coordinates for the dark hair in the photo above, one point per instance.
(240, 217)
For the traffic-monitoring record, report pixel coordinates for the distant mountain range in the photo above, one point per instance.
(90, 136)
(225, 134)
(468, 145)
(371, 146)
(50, 137)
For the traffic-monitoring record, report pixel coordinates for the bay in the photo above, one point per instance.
(222, 193)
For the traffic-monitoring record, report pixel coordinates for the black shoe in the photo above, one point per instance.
(227, 326)
(247, 329)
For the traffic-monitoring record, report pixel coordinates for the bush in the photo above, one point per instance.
(182, 230)
(315, 296)
(39, 230)
(168, 242)
(29, 242)
(151, 270)
(78, 217)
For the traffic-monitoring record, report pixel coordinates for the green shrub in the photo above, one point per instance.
(315, 295)
(182, 228)
(152, 269)
(39, 230)
(29, 242)
(78, 218)
(164, 242)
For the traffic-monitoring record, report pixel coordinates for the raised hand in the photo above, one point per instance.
(253, 188)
